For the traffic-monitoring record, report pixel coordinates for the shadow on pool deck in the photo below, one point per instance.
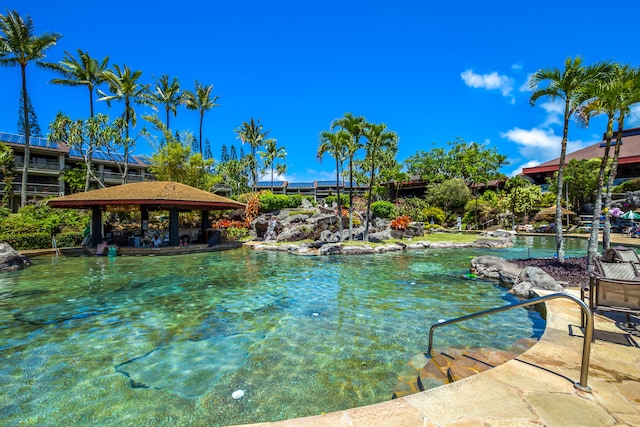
(536, 388)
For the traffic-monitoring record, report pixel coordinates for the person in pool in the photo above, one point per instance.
(102, 248)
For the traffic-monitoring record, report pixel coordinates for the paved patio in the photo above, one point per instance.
(535, 389)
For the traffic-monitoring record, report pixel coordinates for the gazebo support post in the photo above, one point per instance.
(204, 225)
(174, 227)
(144, 221)
(96, 226)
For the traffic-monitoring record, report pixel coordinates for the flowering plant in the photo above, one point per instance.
(400, 222)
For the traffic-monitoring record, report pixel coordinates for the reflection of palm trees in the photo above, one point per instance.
(18, 47)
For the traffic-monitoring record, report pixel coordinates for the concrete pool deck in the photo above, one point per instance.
(535, 389)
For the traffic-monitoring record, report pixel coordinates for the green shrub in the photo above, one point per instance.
(344, 198)
(412, 207)
(631, 185)
(434, 213)
(383, 209)
(235, 233)
(29, 241)
(270, 202)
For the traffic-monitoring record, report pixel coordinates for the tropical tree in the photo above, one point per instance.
(33, 118)
(335, 143)
(125, 87)
(84, 71)
(167, 94)
(568, 86)
(252, 133)
(200, 100)
(378, 139)
(86, 136)
(270, 155)
(18, 47)
(355, 126)
(6, 173)
(613, 95)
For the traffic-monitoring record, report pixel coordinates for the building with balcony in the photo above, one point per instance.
(315, 189)
(49, 160)
(628, 162)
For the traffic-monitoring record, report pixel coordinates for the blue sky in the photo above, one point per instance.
(432, 71)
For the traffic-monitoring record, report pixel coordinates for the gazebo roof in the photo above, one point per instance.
(151, 195)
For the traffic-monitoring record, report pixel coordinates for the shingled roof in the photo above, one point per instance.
(629, 152)
(159, 195)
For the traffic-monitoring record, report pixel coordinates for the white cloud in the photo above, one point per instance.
(518, 170)
(537, 142)
(311, 175)
(516, 67)
(524, 87)
(492, 81)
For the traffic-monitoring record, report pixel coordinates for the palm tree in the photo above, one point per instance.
(18, 47)
(613, 96)
(336, 145)
(269, 156)
(355, 126)
(168, 94)
(84, 71)
(378, 138)
(200, 99)
(253, 134)
(567, 85)
(125, 87)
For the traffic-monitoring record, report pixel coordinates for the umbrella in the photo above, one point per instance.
(631, 215)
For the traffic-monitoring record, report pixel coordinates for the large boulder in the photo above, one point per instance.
(380, 236)
(10, 259)
(534, 278)
(296, 233)
(493, 267)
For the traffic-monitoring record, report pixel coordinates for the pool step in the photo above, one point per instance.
(453, 364)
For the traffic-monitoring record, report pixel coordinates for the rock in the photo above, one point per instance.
(329, 237)
(294, 219)
(380, 236)
(500, 233)
(330, 249)
(415, 229)
(306, 203)
(539, 279)
(357, 250)
(493, 267)
(296, 233)
(492, 243)
(522, 289)
(393, 247)
(10, 259)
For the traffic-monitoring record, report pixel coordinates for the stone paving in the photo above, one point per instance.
(534, 389)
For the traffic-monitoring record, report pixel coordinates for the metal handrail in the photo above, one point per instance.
(587, 322)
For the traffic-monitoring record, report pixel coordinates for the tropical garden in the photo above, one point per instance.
(462, 181)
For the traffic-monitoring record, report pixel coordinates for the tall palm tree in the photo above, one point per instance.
(378, 138)
(567, 85)
(252, 133)
(613, 95)
(355, 126)
(269, 156)
(18, 47)
(125, 87)
(167, 94)
(335, 143)
(200, 99)
(84, 71)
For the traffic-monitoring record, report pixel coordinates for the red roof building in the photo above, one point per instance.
(628, 163)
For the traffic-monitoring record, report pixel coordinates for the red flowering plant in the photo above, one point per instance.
(400, 222)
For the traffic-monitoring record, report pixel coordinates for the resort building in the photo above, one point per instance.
(628, 163)
(49, 161)
(315, 189)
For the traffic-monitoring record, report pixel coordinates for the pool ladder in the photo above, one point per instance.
(587, 323)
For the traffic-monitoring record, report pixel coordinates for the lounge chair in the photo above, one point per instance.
(623, 254)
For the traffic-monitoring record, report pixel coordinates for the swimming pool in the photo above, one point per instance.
(168, 340)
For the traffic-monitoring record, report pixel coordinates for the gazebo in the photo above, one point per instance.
(144, 197)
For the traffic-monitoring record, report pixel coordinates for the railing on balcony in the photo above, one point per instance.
(37, 188)
(48, 165)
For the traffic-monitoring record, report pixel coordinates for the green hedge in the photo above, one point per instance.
(383, 209)
(270, 202)
(28, 241)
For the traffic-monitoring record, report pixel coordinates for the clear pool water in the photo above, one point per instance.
(167, 340)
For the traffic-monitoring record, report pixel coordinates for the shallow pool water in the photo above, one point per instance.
(167, 340)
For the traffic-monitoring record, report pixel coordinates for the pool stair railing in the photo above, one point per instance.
(460, 367)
